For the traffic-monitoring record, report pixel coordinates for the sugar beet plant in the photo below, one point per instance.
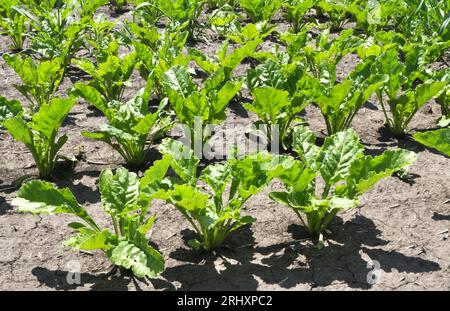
(40, 79)
(197, 108)
(215, 213)
(111, 73)
(340, 102)
(13, 24)
(57, 26)
(125, 198)
(225, 62)
(408, 88)
(40, 133)
(156, 53)
(345, 170)
(130, 125)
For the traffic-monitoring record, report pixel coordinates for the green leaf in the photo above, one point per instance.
(9, 109)
(179, 80)
(50, 116)
(342, 204)
(437, 139)
(268, 103)
(297, 176)
(203, 61)
(119, 191)
(93, 97)
(427, 91)
(337, 154)
(143, 261)
(40, 197)
(184, 163)
(187, 199)
(19, 130)
(304, 143)
(217, 177)
(225, 95)
(89, 239)
(367, 171)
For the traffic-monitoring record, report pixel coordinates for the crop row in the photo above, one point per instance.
(401, 49)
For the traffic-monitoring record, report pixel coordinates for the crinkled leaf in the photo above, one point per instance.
(143, 261)
(119, 191)
(337, 154)
(184, 163)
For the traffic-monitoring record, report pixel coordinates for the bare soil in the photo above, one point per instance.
(403, 226)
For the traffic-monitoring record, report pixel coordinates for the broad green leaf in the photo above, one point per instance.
(9, 109)
(342, 204)
(225, 95)
(216, 176)
(184, 163)
(367, 171)
(187, 199)
(119, 191)
(297, 176)
(437, 139)
(143, 261)
(203, 61)
(19, 130)
(40, 197)
(88, 239)
(337, 154)
(50, 116)
(179, 80)
(93, 97)
(427, 91)
(304, 143)
(269, 102)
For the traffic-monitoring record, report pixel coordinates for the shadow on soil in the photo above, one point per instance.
(57, 279)
(288, 264)
(291, 264)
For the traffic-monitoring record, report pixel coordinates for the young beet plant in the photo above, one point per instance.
(295, 12)
(216, 213)
(345, 170)
(340, 102)
(40, 79)
(225, 63)
(197, 108)
(130, 125)
(276, 110)
(260, 10)
(13, 24)
(110, 74)
(408, 89)
(40, 134)
(156, 52)
(125, 198)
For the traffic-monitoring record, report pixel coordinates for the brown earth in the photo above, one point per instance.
(401, 225)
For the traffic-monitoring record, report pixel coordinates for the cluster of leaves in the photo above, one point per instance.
(409, 87)
(125, 198)
(216, 212)
(130, 125)
(13, 24)
(344, 169)
(40, 133)
(110, 73)
(196, 107)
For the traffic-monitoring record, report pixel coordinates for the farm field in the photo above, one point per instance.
(387, 195)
